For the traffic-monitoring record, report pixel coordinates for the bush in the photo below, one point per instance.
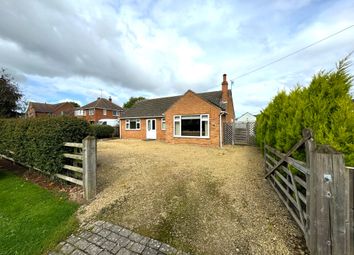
(39, 142)
(325, 106)
(101, 131)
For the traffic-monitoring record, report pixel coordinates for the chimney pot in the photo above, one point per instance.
(110, 99)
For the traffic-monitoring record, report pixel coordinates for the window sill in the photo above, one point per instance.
(197, 137)
(132, 129)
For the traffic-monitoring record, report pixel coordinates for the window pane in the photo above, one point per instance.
(177, 128)
(190, 127)
(153, 124)
(132, 124)
(205, 128)
(138, 124)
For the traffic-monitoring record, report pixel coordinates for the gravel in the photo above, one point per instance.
(198, 199)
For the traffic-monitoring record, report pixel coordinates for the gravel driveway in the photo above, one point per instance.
(198, 199)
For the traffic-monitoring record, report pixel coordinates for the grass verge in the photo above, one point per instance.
(32, 219)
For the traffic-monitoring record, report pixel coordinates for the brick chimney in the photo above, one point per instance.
(110, 99)
(224, 89)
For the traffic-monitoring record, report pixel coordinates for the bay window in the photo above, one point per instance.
(133, 124)
(191, 125)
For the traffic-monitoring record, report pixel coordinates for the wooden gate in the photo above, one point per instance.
(318, 194)
(242, 133)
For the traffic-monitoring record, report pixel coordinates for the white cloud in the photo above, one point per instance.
(75, 49)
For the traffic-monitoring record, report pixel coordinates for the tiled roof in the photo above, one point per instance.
(157, 106)
(102, 103)
(44, 107)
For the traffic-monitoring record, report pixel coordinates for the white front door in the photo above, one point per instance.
(151, 129)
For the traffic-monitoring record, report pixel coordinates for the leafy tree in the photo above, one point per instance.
(132, 101)
(325, 106)
(74, 104)
(10, 95)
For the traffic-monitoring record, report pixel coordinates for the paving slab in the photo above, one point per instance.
(105, 238)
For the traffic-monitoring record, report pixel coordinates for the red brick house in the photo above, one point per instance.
(43, 109)
(100, 109)
(195, 118)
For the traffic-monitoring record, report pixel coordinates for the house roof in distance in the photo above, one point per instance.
(102, 103)
(45, 108)
(156, 107)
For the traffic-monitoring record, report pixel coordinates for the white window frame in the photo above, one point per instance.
(115, 113)
(163, 122)
(202, 117)
(127, 124)
(91, 112)
(104, 111)
(79, 113)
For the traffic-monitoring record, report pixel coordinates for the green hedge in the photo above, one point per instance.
(38, 142)
(325, 106)
(101, 131)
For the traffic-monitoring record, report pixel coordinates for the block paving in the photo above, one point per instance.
(104, 238)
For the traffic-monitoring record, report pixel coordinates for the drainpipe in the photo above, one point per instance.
(220, 128)
(120, 129)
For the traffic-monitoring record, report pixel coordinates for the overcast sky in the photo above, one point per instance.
(71, 50)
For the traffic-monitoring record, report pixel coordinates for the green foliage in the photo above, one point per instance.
(33, 220)
(325, 106)
(101, 131)
(10, 95)
(39, 142)
(132, 101)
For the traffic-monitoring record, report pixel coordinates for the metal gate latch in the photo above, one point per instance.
(327, 177)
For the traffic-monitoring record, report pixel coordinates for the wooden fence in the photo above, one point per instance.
(242, 133)
(80, 165)
(318, 194)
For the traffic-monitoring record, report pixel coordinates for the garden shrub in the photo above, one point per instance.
(325, 106)
(101, 131)
(39, 142)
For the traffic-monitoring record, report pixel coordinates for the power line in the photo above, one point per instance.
(293, 53)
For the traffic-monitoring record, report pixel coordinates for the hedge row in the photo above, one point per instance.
(101, 131)
(325, 106)
(38, 142)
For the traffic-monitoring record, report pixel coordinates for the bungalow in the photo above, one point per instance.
(101, 108)
(43, 109)
(195, 118)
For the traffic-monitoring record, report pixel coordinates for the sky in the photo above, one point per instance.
(64, 50)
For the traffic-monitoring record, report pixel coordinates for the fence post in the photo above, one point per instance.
(327, 202)
(233, 132)
(350, 233)
(89, 167)
(310, 146)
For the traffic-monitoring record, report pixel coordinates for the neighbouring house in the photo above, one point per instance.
(102, 108)
(196, 118)
(246, 117)
(43, 109)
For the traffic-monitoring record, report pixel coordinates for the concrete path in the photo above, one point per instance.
(103, 238)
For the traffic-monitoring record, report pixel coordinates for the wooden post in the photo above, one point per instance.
(89, 167)
(233, 126)
(328, 215)
(310, 146)
(350, 234)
